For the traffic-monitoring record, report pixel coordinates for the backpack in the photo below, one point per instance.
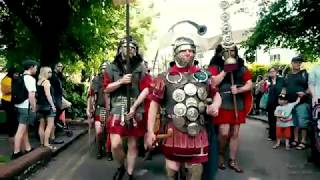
(19, 90)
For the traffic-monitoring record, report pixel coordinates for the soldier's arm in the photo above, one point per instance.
(156, 99)
(142, 96)
(247, 77)
(152, 114)
(216, 76)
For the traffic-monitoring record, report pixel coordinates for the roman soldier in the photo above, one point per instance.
(186, 95)
(235, 83)
(127, 84)
(100, 109)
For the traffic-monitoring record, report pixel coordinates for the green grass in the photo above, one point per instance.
(4, 159)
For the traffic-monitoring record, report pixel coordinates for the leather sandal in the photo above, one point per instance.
(221, 164)
(301, 146)
(234, 166)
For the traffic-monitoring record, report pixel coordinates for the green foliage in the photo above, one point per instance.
(257, 69)
(82, 31)
(289, 24)
(77, 95)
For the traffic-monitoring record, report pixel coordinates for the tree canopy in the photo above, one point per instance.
(79, 32)
(290, 24)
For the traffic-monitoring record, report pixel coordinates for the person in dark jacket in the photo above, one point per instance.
(274, 89)
(56, 84)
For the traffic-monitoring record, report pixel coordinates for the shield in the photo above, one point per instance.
(193, 129)
(190, 89)
(202, 93)
(179, 109)
(178, 95)
(192, 114)
(191, 102)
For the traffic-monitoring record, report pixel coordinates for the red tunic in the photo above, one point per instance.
(228, 116)
(181, 147)
(114, 120)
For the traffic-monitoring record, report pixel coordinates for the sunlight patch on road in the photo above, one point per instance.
(254, 178)
(141, 172)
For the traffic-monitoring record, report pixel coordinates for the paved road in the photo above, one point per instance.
(256, 156)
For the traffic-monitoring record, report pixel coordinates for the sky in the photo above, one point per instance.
(205, 12)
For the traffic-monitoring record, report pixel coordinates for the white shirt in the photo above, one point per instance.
(30, 83)
(314, 77)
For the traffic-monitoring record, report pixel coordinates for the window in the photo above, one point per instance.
(274, 57)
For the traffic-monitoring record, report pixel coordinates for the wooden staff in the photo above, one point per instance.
(234, 98)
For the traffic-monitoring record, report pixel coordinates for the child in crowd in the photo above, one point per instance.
(283, 113)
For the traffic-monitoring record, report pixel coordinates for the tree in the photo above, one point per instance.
(290, 24)
(80, 33)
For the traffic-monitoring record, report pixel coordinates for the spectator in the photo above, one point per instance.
(314, 87)
(296, 85)
(46, 107)
(26, 111)
(12, 122)
(260, 88)
(283, 113)
(56, 84)
(314, 84)
(274, 90)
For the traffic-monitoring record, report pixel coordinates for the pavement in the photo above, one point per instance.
(22, 166)
(256, 157)
(260, 117)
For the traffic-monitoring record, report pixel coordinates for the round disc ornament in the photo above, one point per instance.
(193, 129)
(179, 122)
(191, 102)
(179, 109)
(190, 89)
(202, 93)
(178, 95)
(192, 114)
(202, 107)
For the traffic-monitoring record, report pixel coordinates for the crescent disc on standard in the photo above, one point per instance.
(178, 95)
(193, 129)
(202, 93)
(226, 27)
(227, 38)
(225, 16)
(178, 121)
(224, 4)
(179, 109)
(191, 102)
(190, 89)
(202, 107)
(192, 114)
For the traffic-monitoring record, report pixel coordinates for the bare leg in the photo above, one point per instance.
(296, 134)
(303, 135)
(234, 141)
(98, 130)
(194, 171)
(172, 167)
(277, 143)
(116, 148)
(50, 124)
(132, 154)
(18, 139)
(223, 139)
(234, 145)
(27, 144)
(41, 130)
